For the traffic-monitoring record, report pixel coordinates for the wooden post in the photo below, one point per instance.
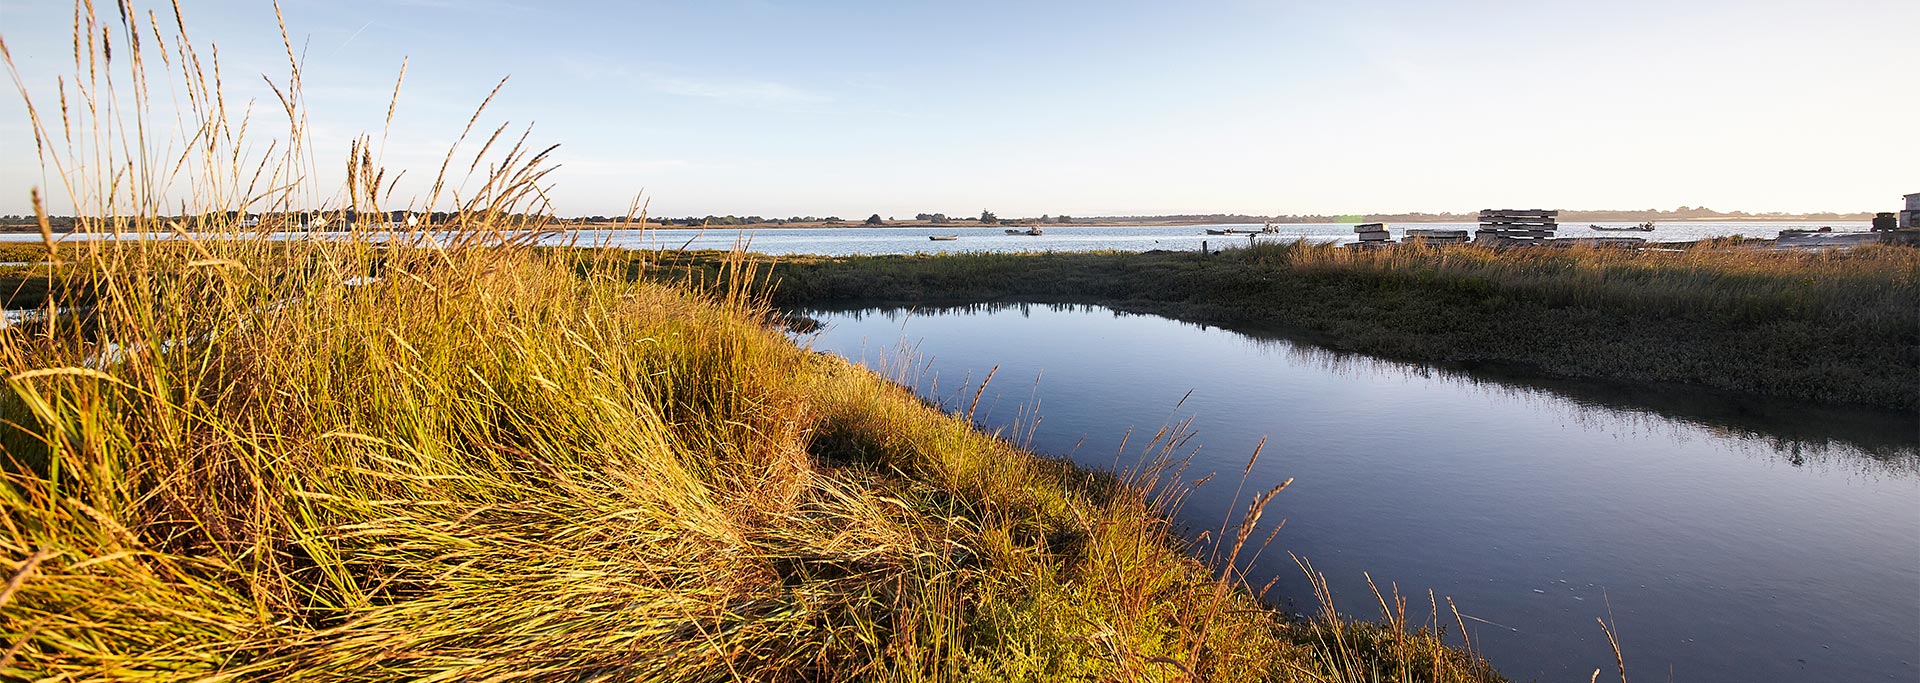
(1203, 248)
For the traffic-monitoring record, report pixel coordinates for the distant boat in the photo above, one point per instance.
(943, 238)
(1033, 231)
(1643, 227)
(1212, 231)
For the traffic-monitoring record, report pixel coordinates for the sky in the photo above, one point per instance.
(758, 107)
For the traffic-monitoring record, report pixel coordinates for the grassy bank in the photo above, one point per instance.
(1836, 326)
(381, 458)
(484, 465)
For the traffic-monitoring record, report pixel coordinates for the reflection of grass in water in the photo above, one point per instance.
(1341, 649)
(1827, 326)
(339, 460)
(1783, 431)
(1862, 441)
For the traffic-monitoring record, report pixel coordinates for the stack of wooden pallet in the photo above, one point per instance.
(1371, 235)
(1516, 225)
(1430, 236)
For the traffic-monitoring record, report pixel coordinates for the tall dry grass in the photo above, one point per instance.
(439, 454)
(1863, 286)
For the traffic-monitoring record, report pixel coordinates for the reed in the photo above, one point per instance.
(442, 454)
(1834, 326)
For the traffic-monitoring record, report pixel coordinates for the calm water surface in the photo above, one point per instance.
(864, 240)
(1729, 539)
(896, 240)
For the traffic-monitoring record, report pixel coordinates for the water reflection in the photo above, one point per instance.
(1733, 539)
(1862, 441)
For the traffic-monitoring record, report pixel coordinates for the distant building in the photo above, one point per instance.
(1910, 218)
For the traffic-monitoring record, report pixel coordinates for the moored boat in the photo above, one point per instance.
(943, 238)
(1643, 227)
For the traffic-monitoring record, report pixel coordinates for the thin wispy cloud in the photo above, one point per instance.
(750, 92)
(620, 167)
(493, 6)
(762, 92)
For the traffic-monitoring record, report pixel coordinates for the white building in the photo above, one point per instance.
(1910, 218)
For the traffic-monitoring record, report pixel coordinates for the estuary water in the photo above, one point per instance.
(903, 240)
(910, 240)
(1727, 539)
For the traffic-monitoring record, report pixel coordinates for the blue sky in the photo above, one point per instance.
(1096, 108)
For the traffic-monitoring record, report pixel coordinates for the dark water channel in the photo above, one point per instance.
(1729, 539)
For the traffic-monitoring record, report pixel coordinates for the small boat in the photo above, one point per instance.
(1804, 231)
(1268, 228)
(943, 238)
(1012, 231)
(1033, 231)
(1643, 227)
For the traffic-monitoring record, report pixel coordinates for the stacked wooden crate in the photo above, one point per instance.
(1371, 235)
(1516, 225)
(1431, 236)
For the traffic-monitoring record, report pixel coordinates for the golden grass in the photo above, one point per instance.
(1864, 283)
(449, 456)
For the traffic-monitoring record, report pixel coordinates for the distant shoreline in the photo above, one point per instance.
(1585, 314)
(1161, 223)
(1145, 223)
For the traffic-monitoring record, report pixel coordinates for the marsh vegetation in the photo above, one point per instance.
(1829, 326)
(446, 455)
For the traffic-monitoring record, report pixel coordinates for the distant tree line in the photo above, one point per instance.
(1701, 213)
(1682, 213)
(341, 219)
(710, 220)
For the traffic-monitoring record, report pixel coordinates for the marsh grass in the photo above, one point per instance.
(1832, 326)
(441, 454)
